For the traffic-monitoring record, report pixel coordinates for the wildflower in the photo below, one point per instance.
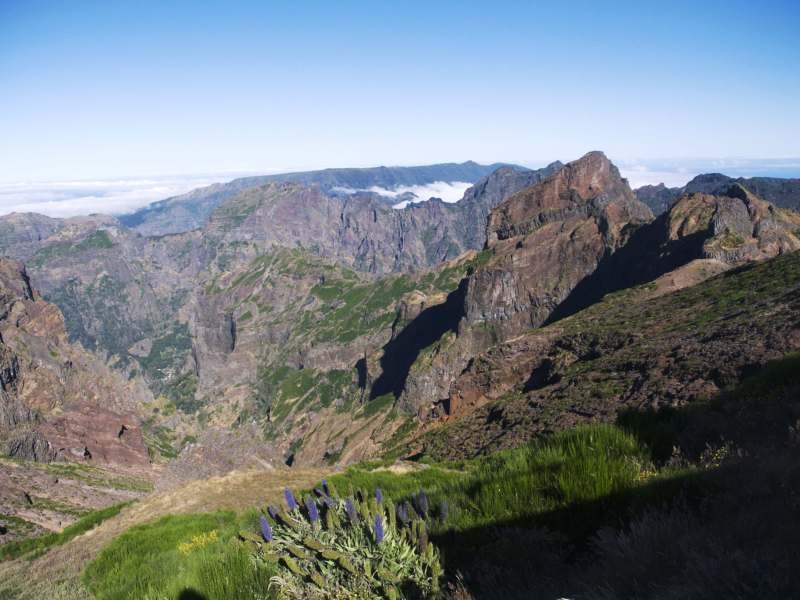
(320, 492)
(352, 513)
(273, 512)
(311, 507)
(379, 495)
(291, 503)
(402, 513)
(330, 502)
(378, 527)
(266, 530)
(325, 487)
(421, 502)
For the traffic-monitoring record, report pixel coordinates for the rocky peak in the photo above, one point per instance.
(591, 185)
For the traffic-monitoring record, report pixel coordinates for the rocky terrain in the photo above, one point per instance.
(68, 422)
(783, 193)
(192, 210)
(307, 326)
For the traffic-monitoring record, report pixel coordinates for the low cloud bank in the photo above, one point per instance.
(74, 198)
(448, 191)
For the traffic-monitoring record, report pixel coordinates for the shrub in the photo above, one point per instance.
(361, 547)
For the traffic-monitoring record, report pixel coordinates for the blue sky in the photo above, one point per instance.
(94, 90)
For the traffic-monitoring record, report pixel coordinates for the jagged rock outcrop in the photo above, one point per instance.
(542, 242)
(546, 239)
(57, 401)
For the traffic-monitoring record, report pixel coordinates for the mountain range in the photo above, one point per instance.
(304, 320)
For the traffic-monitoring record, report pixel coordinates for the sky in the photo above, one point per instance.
(156, 96)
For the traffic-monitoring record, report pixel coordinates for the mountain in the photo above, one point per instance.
(191, 210)
(783, 193)
(57, 400)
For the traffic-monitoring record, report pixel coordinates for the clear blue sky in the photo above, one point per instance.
(101, 89)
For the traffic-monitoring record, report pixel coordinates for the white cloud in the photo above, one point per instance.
(73, 198)
(448, 191)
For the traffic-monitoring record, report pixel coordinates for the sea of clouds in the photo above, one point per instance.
(125, 195)
(448, 191)
(108, 196)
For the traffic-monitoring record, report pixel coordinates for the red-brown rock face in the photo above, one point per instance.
(57, 401)
(546, 239)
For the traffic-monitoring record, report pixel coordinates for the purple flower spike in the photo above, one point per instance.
(330, 502)
(273, 512)
(422, 503)
(291, 503)
(350, 509)
(325, 487)
(320, 492)
(379, 495)
(378, 527)
(402, 513)
(311, 507)
(266, 530)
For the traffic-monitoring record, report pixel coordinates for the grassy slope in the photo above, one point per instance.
(33, 547)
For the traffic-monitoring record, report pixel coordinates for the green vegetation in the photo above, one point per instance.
(359, 547)
(98, 240)
(33, 547)
(527, 484)
(181, 554)
(167, 353)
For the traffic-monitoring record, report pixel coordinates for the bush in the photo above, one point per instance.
(361, 547)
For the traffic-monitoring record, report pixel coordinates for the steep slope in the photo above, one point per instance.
(637, 349)
(541, 244)
(191, 210)
(58, 401)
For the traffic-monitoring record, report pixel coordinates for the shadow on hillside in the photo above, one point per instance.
(190, 594)
(728, 527)
(725, 532)
(643, 258)
(428, 327)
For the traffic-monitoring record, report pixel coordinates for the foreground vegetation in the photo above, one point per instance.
(687, 503)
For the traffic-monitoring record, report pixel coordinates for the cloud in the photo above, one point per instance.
(73, 198)
(448, 191)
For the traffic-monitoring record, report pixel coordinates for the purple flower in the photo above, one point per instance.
(352, 513)
(421, 502)
(330, 502)
(378, 527)
(402, 513)
(311, 507)
(325, 487)
(379, 495)
(319, 492)
(291, 503)
(266, 530)
(273, 512)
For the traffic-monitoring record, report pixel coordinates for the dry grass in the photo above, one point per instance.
(56, 574)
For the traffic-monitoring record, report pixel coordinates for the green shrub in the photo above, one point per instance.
(362, 547)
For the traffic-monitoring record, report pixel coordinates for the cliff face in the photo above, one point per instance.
(546, 239)
(558, 247)
(57, 401)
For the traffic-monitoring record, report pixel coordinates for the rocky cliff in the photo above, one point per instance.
(57, 401)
